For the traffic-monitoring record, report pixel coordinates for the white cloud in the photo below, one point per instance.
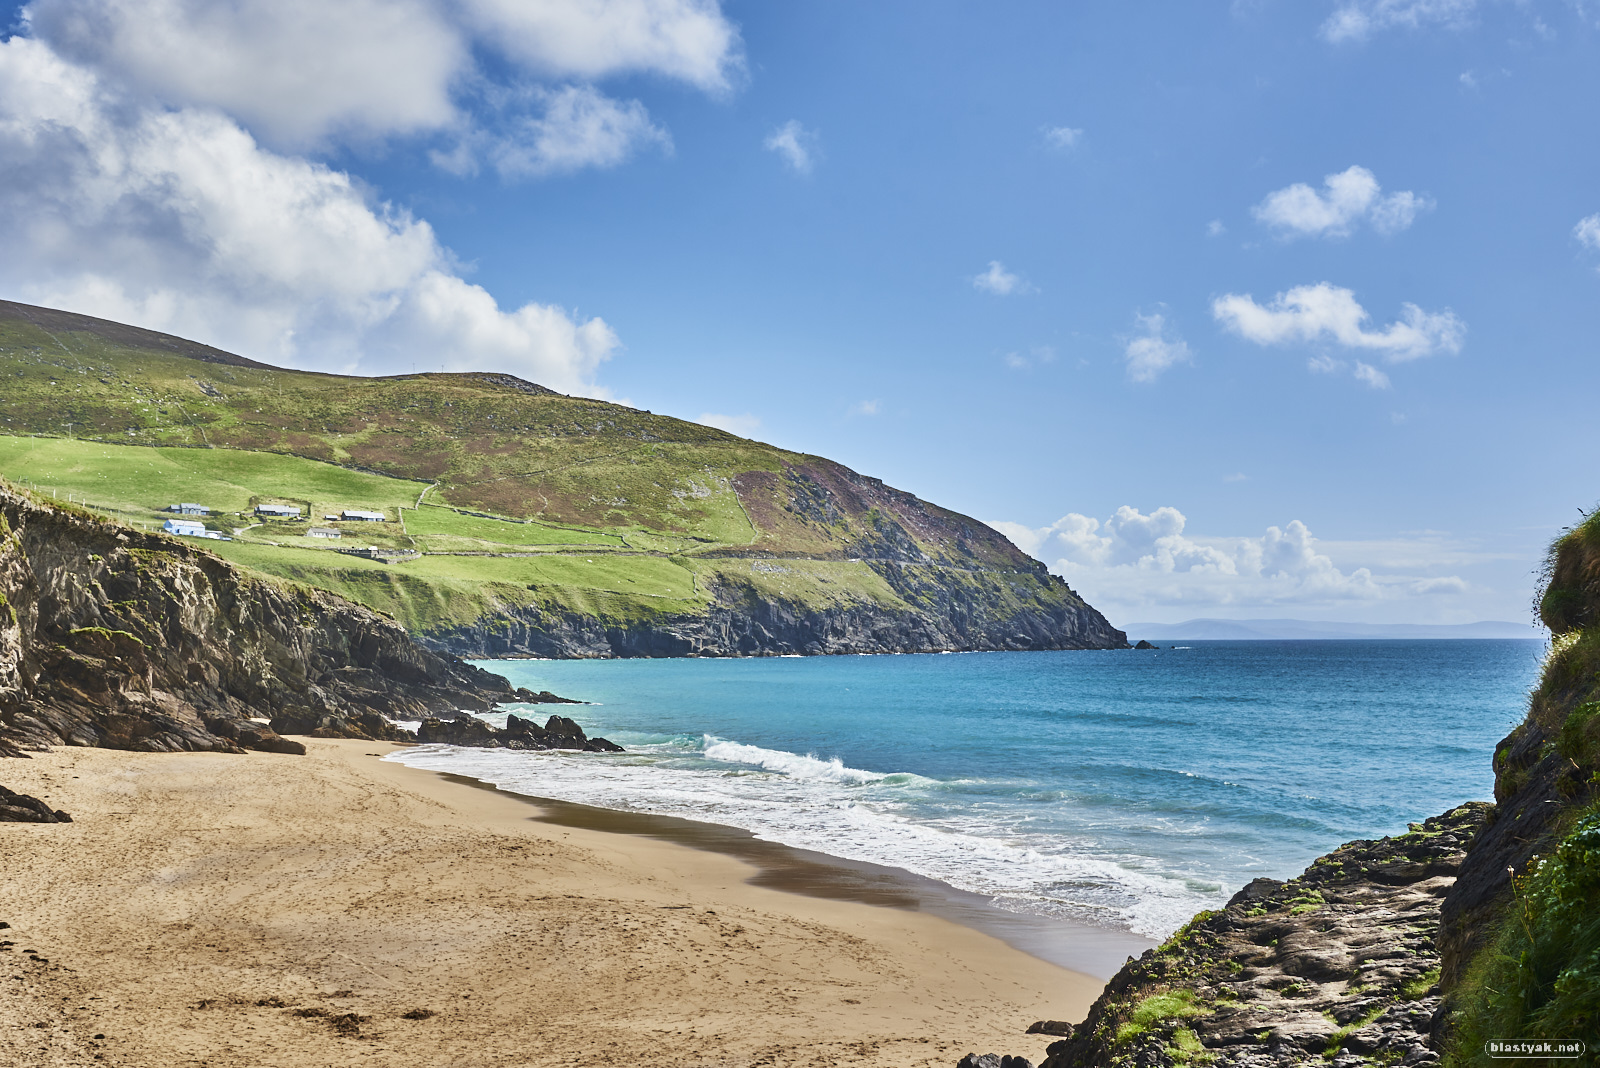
(685, 39)
(176, 219)
(1001, 282)
(1036, 356)
(294, 71)
(1349, 197)
(1369, 374)
(579, 127)
(1588, 231)
(743, 425)
(1315, 312)
(796, 145)
(1134, 561)
(1359, 19)
(1150, 352)
(299, 73)
(1214, 228)
(1237, 476)
(866, 407)
(1061, 137)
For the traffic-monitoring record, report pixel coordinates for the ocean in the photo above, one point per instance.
(1123, 789)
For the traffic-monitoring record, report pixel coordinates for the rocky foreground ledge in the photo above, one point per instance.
(1337, 967)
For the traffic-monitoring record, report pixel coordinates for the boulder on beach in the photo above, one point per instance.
(20, 808)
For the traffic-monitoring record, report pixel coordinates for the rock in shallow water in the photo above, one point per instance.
(559, 732)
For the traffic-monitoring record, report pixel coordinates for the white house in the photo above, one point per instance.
(281, 511)
(324, 532)
(367, 517)
(189, 509)
(188, 528)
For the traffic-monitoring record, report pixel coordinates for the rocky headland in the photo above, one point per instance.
(116, 638)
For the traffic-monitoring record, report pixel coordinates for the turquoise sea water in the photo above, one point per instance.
(1128, 789)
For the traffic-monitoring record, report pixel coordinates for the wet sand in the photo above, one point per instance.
(336, 909)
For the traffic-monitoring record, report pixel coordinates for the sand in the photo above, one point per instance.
(264, 910)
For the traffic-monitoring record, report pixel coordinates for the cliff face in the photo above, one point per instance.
(944, 609)
(115, 638)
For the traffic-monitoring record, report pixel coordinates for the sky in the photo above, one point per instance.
(1261, 309)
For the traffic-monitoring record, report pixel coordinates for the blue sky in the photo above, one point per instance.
(1250, 309)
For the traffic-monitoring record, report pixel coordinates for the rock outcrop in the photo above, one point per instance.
(20, 808)
(117, 638)
(558, 732)
(1338, 966)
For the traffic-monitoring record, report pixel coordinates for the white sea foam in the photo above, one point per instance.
(901, 820)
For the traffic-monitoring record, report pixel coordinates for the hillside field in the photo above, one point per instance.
(518, 502)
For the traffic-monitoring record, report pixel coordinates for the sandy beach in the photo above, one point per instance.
(336, 909)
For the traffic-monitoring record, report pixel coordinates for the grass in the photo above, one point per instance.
(1539, 978)
(1166, 1007)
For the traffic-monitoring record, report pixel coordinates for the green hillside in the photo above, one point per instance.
(508, 501)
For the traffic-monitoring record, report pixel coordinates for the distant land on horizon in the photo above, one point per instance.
(1303, 629)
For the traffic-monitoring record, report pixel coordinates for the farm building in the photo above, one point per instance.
(189, 509)
(366, 517)
(279, 511)
(188, 528)
(323, 532)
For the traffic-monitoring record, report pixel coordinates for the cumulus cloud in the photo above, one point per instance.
(1325, 311)
(1001, 282)
(1360, 19)
(299, 73)
(1350, 197)
(1061, 137)
(177, 219)
(1153, 349)
(743, 425)
(576, 127)
(1133, 560)
(795, 145)
(1369, 374)
(1588, 232)
(685, 39)
(866, 407)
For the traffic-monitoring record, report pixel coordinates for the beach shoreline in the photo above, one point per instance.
(333, 909)
(1077, 947)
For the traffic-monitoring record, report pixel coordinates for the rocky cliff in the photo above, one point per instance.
(116, 638)
(944, 609)
(1481, 925)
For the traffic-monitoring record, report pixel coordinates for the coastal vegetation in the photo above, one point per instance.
(516, 520)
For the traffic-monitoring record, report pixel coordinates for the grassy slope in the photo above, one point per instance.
(661, 509)
(1538, 975)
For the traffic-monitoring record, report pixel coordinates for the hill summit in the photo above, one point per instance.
(495, 517)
